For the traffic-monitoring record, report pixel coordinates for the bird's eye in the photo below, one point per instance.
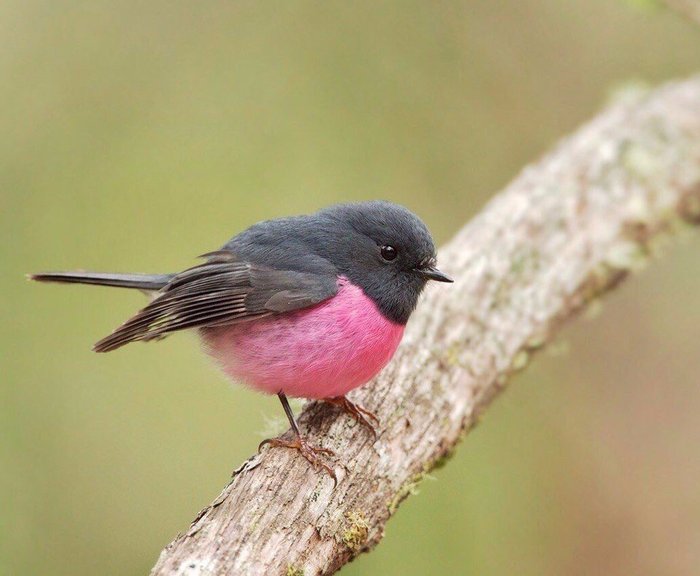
(388, 252)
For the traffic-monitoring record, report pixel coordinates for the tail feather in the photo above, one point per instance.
(137, 281)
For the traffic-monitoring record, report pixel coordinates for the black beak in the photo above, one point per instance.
(432, 273)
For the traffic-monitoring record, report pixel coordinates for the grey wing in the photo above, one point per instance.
(221, 291)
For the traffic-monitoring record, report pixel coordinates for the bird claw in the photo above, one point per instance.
(311, 453)
(360, 414)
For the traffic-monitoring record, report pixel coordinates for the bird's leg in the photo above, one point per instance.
(362, 415)
(299, 443)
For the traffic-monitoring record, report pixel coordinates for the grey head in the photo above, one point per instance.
(379, 246)
(386, 250)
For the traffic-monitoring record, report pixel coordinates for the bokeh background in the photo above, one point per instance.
(138, 135)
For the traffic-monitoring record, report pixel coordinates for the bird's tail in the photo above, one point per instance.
(137, 281)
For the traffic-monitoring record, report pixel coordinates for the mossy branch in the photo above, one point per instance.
(566, 230)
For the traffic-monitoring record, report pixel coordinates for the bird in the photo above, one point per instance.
(309, 306)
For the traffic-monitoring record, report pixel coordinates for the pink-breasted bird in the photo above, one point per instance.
(307, 306)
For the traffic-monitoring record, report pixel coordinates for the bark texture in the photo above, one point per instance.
(568, 228)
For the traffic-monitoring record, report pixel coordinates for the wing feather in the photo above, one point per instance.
(221, 291)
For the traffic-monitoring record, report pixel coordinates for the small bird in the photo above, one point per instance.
(307, 306)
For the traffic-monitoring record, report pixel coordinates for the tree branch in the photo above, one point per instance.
(567, 229)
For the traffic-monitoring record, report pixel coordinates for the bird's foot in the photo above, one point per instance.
(311, 453)
(360, 414)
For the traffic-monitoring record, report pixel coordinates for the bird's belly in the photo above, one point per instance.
(318, 352)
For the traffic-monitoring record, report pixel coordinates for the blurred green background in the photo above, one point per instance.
(138, 135)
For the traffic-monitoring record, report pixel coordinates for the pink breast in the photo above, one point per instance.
(319, 352)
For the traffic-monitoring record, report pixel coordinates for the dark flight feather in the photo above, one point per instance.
(221, 291)
(139, 281)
